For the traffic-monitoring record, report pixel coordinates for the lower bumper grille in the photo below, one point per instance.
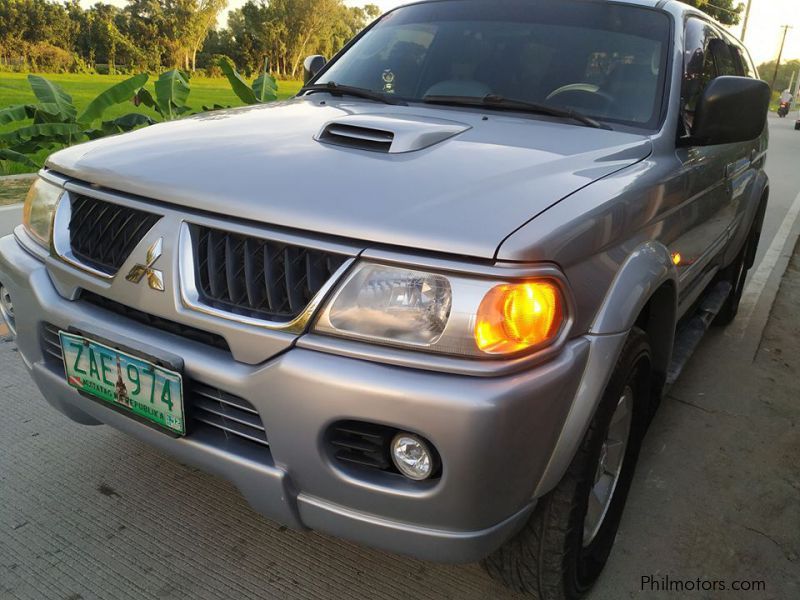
(230, 414)
(178, 329)
(51, 347)
(206, 407)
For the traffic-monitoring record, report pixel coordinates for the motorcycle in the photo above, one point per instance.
(783, 109)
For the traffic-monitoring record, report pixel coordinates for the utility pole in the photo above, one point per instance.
(786, 29)
(746, 18)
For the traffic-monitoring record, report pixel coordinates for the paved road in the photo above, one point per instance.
(90, 513)
(783, 168)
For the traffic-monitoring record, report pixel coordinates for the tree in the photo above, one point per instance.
(785, 72)
(200, 23)
(284, 32)
(145, 22)
(149, 34)
(728, 12)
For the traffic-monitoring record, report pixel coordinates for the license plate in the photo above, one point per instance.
(135, 385)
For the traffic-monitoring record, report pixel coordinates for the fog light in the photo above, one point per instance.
(7, 310)
(412, 457)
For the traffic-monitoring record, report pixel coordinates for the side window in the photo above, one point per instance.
(699, 67)
(748, 68)
(724, 58)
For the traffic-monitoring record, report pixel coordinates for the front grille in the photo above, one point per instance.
(184, 331)
(256, 277)
(230, 414)
(207, 408)
(102, 235)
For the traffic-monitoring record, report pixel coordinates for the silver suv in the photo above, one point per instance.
(431, 303)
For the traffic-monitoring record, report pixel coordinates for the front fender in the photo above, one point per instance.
(644, 272)
(647, 276)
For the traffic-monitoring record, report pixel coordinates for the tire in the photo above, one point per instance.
(558, 555)
(736, 273)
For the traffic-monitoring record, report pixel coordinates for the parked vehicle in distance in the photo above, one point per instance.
(431, 303)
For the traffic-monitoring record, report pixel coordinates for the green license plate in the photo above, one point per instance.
(147, 390)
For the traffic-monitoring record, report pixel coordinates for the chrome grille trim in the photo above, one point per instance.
(257, 277)
(181, 220)
(61, 241)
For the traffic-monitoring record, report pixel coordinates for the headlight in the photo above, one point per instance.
(40, 204)
(444, 313)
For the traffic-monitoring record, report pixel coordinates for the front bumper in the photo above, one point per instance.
(496, 436)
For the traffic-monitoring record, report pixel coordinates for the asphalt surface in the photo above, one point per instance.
(87, 512)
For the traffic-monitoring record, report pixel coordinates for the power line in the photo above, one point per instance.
(728, 10)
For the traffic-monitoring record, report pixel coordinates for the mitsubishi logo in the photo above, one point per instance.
(155, 278)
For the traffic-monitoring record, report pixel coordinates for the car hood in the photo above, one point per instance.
(454, 181)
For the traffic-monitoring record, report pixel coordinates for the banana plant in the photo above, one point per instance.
(54, 121)
(263, 89)
(172, 92)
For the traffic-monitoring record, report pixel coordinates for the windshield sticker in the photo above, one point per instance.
(388, 81)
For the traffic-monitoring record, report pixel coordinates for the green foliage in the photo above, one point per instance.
(146, 35)
(263, 89)
(172, 91)
(54, 121)
(116, 94)
(51, 94)
(9, 155)
(287, 31)
(238, 84)
(767, 71)
(728, 12)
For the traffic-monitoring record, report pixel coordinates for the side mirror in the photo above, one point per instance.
(313, 65)
(732, 109)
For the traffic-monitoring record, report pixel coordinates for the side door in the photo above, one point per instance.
(708, 212)
(748, 161)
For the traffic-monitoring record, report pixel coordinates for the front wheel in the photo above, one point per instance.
(562, 549)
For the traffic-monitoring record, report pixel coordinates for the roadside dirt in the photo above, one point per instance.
(717, 492)
(13, 189)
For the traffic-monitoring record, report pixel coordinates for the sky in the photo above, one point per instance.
(763, 31)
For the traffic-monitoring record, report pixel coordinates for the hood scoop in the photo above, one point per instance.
(389, 134)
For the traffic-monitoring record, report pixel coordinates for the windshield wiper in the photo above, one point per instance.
(345, 90)
(495, 101)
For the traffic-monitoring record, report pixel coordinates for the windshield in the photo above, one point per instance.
(605, 61)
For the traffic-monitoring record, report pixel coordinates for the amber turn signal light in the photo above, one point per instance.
(516, 316)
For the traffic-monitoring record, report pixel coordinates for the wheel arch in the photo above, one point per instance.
(644, 294)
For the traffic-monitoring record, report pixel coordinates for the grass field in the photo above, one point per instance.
(14, 89)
